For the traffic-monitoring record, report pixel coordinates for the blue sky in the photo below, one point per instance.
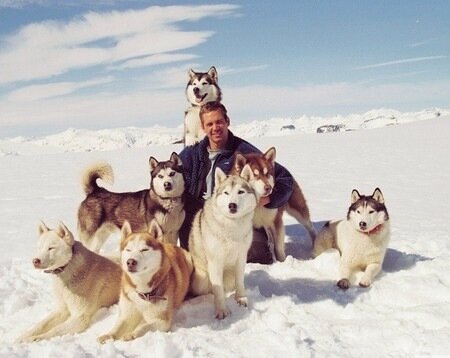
(105, 64)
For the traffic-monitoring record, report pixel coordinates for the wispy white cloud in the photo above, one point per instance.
(39, 92)
(46, 49)
(155, 60)
(398, 62)
(20, 4)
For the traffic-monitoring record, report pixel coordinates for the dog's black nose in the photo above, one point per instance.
(131, 264)
(196, 90)
(267, 188)
(362, 224)
(232, 207)
(167, 186)
(36, 262)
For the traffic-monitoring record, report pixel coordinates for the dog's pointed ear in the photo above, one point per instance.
(270, 154)
(126, 230)
(42, 228)
(355, 196)
(174, 158)
(219, 176)
(153, 163)
(191, 73)
(65, 233)
(213, 73)
(247, 173)
(378, 195)
(239, 161)
(155, 230)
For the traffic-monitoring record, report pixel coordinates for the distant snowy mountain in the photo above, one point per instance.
(81, 140)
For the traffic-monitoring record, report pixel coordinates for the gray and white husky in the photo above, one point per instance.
(361, 239)
(220, 237)
(104, 212)
(201, 88)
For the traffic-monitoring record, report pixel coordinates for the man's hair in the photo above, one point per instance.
(213, 107)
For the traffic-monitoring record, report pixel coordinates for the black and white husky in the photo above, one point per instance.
(361, 239)
(201, 88)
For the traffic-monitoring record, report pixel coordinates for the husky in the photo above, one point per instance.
(83, 281)
(220, 237)
(155, 282)
(201, 88)
(104, 212)
(361, 239)
(262, 166)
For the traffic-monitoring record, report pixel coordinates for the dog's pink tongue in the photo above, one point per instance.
(198, 99)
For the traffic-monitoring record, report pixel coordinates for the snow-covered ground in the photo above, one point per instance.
(295, 308)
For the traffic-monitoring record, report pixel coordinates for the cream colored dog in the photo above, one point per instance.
(84, 282)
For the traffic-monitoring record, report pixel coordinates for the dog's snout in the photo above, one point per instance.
(167, 186)
(267, 188)
(232, 207)
(36, 262)
(131, 264)
(362, 224)
(196, 90)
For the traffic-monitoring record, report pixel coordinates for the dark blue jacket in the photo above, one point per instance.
(196, 165)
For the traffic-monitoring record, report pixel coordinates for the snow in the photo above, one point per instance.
(295, 308)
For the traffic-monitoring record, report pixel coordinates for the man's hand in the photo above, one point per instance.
(264, 200)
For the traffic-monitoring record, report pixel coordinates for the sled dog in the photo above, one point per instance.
(361, 239)
(220, 237)
(83, 280)
(201, 88)
(262, 166)
(104, 212)
(155, 281)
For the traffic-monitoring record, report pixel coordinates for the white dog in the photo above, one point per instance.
(220, 237)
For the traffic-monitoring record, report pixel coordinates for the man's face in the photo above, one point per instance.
(216, 128)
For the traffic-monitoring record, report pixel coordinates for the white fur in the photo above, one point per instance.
(219, 240)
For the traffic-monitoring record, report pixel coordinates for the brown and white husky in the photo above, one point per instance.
(263, 166)
(155, 281)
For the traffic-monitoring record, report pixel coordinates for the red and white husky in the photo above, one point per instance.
(263, 166)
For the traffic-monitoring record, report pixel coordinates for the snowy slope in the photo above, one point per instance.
(295, 308)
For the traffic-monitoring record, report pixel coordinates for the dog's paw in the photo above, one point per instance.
(128, 337)
(343, 283)
(365, 282)
(242, 301)
(105, 337)
(222, 313)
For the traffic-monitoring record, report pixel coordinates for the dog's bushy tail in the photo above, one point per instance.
(100, 170)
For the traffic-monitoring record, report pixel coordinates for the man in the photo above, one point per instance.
(217, 150)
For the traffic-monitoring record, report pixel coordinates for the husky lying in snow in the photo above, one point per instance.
(103, 212)
(83, 280)
(155, 281)
(220, 237)
(361, 239)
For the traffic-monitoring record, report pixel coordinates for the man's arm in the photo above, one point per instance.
(282, 190)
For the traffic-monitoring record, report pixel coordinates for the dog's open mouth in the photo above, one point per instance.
(199, 98)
